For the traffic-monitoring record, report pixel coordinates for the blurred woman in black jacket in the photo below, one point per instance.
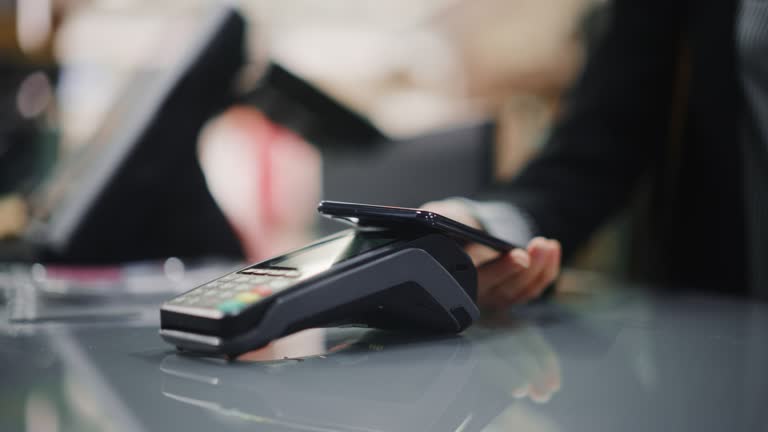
(672, 102)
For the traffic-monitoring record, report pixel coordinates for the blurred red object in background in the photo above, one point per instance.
(265, 178)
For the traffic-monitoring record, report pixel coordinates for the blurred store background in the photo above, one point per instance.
(462, 93)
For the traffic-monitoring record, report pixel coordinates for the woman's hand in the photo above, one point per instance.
(515, 277)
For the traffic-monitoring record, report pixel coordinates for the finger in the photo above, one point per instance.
(480, 254)
(534, 285)
(502, 268)
(510, 291)
(495, 272)
(549, 273)
(549, 256)
(552, 269)
(503, 294)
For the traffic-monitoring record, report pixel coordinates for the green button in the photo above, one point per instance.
(231, 306)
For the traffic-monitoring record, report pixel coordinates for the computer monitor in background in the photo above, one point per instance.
(136, 191)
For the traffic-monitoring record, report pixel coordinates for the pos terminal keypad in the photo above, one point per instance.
(236, 291)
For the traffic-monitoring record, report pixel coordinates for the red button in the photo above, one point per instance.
(261, 290)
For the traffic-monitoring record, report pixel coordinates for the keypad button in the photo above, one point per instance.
(208, 302)
(231, 306)
(252, 280)
(263, 291)
(280, 283)
(248, 297)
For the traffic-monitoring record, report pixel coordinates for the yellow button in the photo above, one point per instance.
(248, 297)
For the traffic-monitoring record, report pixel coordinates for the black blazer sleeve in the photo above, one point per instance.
(614, 124)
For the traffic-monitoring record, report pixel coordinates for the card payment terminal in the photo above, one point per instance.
(380, 279)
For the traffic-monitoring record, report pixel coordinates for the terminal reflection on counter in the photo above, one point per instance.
(386, 369)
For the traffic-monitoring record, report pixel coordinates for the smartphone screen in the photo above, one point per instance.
(401, 218)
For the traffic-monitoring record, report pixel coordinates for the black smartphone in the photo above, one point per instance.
(401, 218)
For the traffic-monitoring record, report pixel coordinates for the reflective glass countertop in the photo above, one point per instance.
(600, 356)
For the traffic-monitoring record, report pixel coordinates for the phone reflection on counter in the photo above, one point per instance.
(355, 380)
